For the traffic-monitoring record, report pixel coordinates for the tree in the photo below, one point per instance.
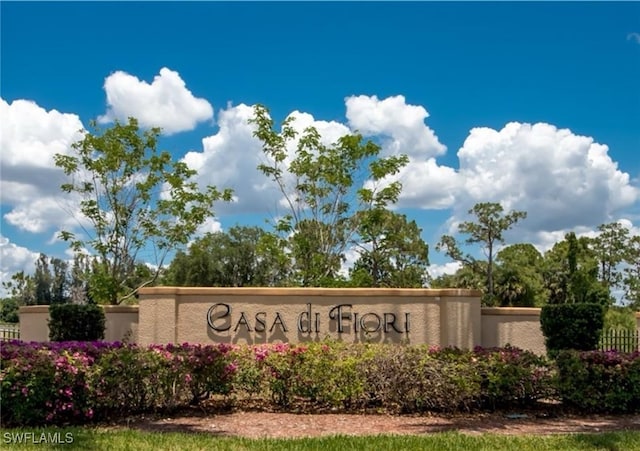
(611, 248)
(134, 198)
(570, 273)
(9, 310)
(632, 272)
(518, 276)
(80, 274)
(465, 277)
(51, 281)
(392, 252)
(22, 288)
(319, 184)
(241, 257)
(488, 229)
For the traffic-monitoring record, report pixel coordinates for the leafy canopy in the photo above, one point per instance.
(324, 187)
(134, 198)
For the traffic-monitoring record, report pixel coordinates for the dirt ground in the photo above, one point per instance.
(258, 424)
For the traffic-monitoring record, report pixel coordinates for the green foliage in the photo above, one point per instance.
(415, 379)
(518, 281)
(392, 252)
(611, 248)
(620, 318)
(118, 174)
(394, 378)
(241, 257)
(599, 381)
(80, 381)
(54, 281)
(631, 273)
(570, 273)
(512, 377)
(9, 310)
(324, 187)
(77, 382)
(491, 222)
(77, 322)
(465, 277)
(572, 326)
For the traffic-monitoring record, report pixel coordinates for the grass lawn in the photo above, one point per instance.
(100, 439)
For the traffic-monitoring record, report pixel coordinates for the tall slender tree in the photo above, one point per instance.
(135, 199)
(488, 229)
(324, 187)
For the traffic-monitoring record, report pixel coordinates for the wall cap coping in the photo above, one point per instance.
(107, 309)
(299, 291)
(34, 309)
(510, 311)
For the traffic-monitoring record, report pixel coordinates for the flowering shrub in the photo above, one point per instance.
(77, 382)
(599, 381)
(74, 382)
(41, 384)
(511, 376)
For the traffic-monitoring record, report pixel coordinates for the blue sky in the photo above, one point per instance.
(535, 105)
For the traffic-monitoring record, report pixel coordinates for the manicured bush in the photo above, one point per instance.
(599, 381)
(572, 326)
(82, 322)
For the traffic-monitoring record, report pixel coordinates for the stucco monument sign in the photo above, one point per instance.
(341, 318)
(265, 315)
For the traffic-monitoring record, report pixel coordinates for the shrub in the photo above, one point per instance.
(75, 382)
(572, 326)
(44, 384)
(82, 322)
(418, 379)
(513, 377)
(599, 381)
(620, 318)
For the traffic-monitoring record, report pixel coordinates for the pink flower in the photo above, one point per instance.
(231, 368)
(261, 354)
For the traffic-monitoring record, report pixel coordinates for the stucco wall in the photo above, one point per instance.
(34, 323)
(121, 322)
(447, 317)
(261, 315)
(519, 327)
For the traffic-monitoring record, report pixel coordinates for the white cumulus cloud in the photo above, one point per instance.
(402, 124)
(30, 183)
(562, 180)
(437, 270)
(165, 103)
(401, 129)
(230, 158)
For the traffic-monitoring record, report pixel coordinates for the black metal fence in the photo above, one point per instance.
(9, 332)
(619, 340)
